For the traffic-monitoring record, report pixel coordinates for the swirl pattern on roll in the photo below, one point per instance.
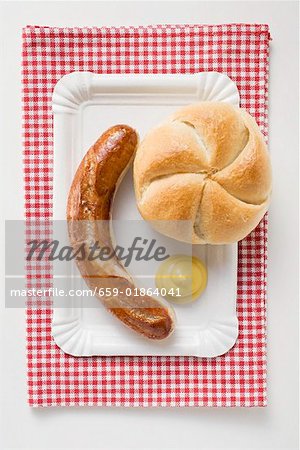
(204, 175)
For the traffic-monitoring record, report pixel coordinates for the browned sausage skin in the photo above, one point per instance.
(88, 214)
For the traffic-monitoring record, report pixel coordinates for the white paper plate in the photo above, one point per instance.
(86, 104)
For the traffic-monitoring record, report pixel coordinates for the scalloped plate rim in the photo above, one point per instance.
(73, 92)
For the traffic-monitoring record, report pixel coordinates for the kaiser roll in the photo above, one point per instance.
(204, 175)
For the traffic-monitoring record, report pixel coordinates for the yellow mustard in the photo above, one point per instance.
(181, 278)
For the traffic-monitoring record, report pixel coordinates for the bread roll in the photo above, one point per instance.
(204, 176)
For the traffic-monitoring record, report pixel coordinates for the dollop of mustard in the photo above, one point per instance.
(181, 278)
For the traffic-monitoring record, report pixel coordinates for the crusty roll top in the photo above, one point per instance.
(208, 165)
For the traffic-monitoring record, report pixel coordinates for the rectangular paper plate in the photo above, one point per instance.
(85, 105)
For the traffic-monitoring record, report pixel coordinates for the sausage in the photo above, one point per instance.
(89, 212)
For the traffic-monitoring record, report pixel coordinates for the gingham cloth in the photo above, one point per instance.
(237, 378)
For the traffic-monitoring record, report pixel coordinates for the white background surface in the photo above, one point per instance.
(274, 427)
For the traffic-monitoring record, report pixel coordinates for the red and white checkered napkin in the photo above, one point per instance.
(54, 378)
